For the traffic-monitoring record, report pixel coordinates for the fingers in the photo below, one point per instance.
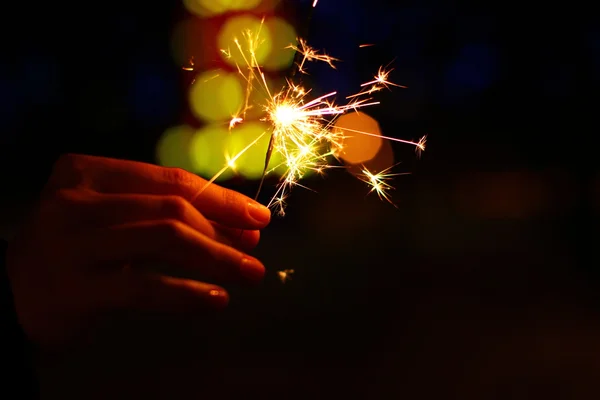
(102, 210)
(138, 290)
(238, 238)
(118, 176)
(232, 209)
(176, 244)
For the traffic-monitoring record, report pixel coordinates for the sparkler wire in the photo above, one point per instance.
(294, 70)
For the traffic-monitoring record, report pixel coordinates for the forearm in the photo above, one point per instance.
(18, 376)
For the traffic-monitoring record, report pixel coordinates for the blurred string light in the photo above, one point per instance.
(219, 92)
(212, 8)
(216, 94)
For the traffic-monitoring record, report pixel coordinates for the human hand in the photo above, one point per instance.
(101, 222)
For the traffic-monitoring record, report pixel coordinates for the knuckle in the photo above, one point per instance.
(64, 208)
(66, 197)
(175, 207)
(66, 162)
(226, 256)
(180, 178)
(171, 229)
(68, 171)
(231, 199)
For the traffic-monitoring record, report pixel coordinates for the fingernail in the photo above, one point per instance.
(252, 269)
(219, 297)
(259, 212)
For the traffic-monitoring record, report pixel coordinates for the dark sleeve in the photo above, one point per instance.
(18, 377)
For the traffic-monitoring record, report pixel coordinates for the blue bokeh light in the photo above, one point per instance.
(153, 95)
(472, 71)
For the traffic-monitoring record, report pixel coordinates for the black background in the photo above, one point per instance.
(482, 284)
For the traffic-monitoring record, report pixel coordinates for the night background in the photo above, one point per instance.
(484, 283)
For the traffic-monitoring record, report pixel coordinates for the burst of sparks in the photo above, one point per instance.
(379, 182)
(382, 79)
(310, 54)
(302, 126)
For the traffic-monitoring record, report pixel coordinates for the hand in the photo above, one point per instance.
(87, 248)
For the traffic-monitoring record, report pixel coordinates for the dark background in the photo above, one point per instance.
(482, 284)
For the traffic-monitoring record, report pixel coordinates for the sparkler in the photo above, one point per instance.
(302, 127)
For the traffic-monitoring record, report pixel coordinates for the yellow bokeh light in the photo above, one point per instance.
(172, 149)
(207, 151)
(240, 4)
(266, 6)
(259, 99)
(216, 95)
(236, 28)
(362, 137)
(283, 35)
(210, 8)
(205, 8)
(251, 164)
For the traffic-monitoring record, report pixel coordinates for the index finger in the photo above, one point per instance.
(216, 203)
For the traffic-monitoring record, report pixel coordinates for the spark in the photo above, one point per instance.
(226, 53)
(420, 147)
(301, 126)
(285, 275)
(382, 79)
(234, 121)
(362, 46)
(379, 182)
(309, 54)
(191, 66)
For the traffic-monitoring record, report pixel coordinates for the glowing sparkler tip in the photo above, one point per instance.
(285, 115)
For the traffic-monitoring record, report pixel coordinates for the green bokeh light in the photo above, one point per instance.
(207, 151)
(236, 28)
(216, 95)
(172, 149)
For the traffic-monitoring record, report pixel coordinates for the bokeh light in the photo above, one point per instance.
(208, 151)
(283, 35)
(237, 5)
(216, 95)
(358, 147)
(236, 28)
(250, 164)
(173, 147)
(204, 8)
(210, 8)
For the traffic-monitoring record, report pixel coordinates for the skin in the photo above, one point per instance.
(100, 225)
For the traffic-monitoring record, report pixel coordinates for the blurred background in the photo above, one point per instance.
(482, 283)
